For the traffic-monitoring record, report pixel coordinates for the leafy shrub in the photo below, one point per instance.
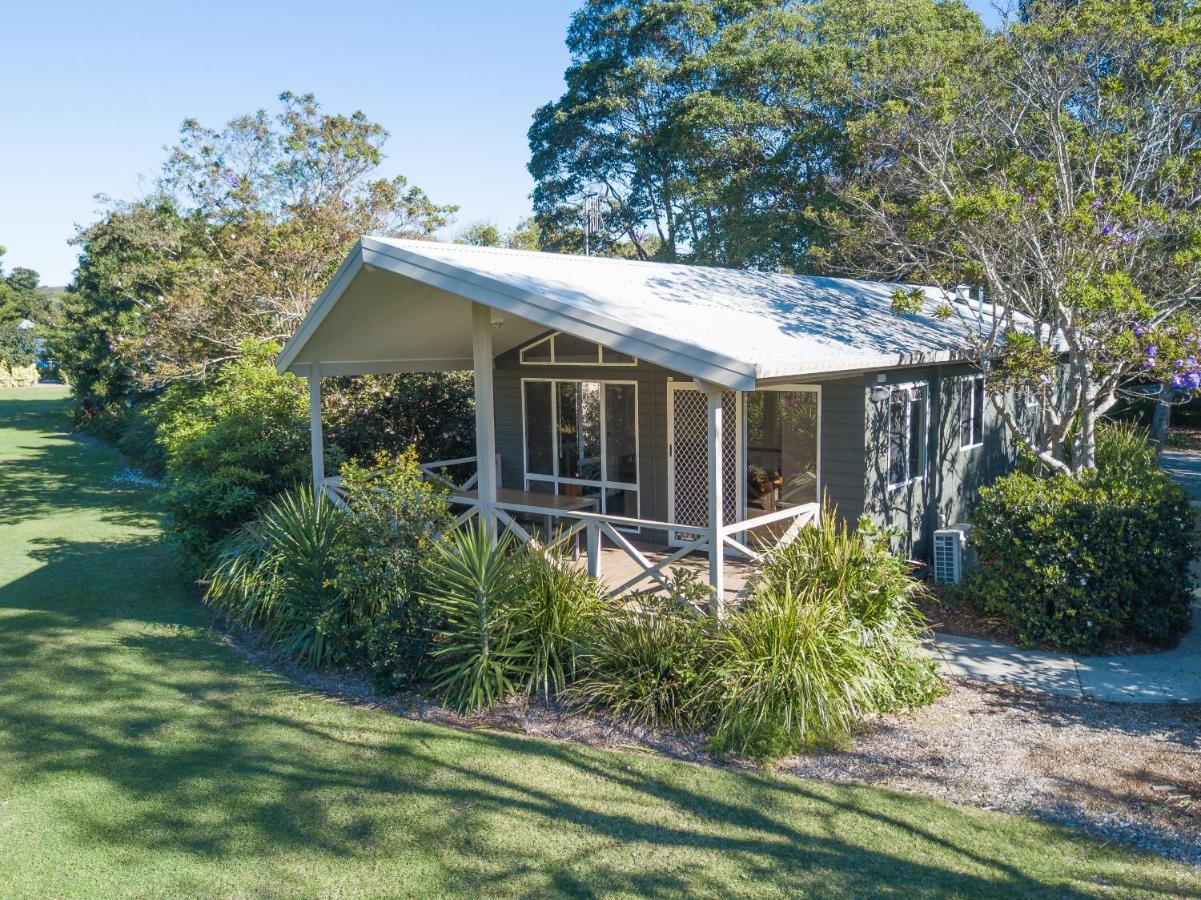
(279, 573)
(137, 438)
(394, 647)
(479, 657)
(643, 665)
(431, 411)
(1083, 562)
(229, 444)
(398, 516)
(396, 519)
(828, 634)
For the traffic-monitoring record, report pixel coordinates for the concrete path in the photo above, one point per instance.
(1185, 468)
(1173, 676)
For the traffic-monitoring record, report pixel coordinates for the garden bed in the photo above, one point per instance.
(1127, 773)
(946, 609)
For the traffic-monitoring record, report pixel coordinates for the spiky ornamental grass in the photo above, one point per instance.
(828, 634)
(480, 658)
(557, 609)
(279, 572)
(643, 666)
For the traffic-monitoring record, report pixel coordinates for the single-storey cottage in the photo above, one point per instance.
(668, 410)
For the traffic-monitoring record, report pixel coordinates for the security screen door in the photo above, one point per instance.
(688, 459)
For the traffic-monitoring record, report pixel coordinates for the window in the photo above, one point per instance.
(568, 350)
(781, 448)
(906, 434)
(971, 411)
(581, 440)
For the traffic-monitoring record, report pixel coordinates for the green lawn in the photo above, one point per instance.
(140, 756)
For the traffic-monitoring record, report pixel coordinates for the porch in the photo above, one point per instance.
(650, 454)
(623, 563)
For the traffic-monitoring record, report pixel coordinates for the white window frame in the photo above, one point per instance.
(604, 483)
(912, 479)
(554, 361)
(795, 388)
(966, 409)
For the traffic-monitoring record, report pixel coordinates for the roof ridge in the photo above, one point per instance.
(514, 251)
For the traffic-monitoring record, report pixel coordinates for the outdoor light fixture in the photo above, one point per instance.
(880, 393)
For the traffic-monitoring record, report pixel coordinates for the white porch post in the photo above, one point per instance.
(717, 567)
(485, 418)
(317, 442)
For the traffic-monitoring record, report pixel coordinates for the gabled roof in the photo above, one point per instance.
(728, 326)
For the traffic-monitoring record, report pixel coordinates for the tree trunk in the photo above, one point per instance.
(1162, 417)
(1085, 455)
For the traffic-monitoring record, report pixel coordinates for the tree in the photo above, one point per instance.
(708, 128)
(247, 226)
(610, 131)
(1063, 176)
(129, 261)
(21, 301)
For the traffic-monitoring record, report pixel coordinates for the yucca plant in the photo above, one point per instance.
(643, 666)
(556, 606)
(480, 657)
(278, 572)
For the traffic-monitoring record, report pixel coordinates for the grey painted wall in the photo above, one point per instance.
(950, 489)
(853, 446)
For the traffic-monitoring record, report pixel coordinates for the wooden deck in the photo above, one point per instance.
(617, 568)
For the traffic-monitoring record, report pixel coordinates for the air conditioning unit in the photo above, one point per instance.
(953, 557)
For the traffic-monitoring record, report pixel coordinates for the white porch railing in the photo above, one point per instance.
(599, 528)
(435, 468)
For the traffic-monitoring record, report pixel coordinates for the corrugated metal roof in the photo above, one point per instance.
(753, 325)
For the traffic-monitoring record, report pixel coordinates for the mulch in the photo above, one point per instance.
(948, 610)
(1129, 773)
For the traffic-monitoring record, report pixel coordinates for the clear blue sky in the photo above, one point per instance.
(93, 92)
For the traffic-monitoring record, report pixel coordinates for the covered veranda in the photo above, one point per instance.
(393, 309)
(397, 306)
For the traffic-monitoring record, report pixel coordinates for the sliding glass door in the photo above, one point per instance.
(581, 440)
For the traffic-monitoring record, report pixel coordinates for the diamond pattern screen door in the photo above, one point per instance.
(688, 459)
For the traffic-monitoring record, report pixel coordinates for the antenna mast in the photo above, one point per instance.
(592, 220)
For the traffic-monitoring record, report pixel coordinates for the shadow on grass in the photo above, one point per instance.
(122, 681)
(50, 471)
(113, 683)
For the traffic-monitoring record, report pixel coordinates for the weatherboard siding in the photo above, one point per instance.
(854, 455)
(949, 491)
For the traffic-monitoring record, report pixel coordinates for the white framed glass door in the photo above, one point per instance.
(581, 440)
(771, 455)
(782, 439)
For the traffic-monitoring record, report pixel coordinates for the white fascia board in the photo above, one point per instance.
(384, 366)
(664, 351)
(852, 363)
(341, 279)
